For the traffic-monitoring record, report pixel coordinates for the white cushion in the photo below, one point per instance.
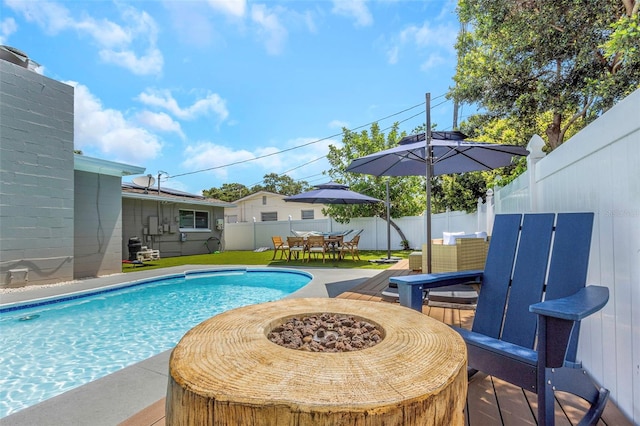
(482, 235)
(449, 238)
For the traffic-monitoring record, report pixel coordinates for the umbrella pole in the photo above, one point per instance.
(388, 223)
(428, 173)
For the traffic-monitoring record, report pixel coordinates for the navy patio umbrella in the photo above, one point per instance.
(332, 193)
(447, 152)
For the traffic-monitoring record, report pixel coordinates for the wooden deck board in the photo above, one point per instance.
(514, 407)
(490, 401)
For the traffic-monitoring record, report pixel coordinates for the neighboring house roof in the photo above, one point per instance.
(258, 194)
(131, 190)
(104, 167)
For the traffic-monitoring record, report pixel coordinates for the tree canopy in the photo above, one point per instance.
(559, 64)
(273, 182)
(407, 194)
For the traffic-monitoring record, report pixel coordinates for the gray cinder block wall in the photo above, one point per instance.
(36, 178)
(98, 225)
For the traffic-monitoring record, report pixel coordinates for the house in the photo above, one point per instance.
(174, 222)
(60, 215)
(264, 206)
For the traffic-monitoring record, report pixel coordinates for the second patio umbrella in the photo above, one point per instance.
(332, 193)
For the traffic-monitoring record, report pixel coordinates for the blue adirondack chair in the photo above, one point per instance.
(533, 285)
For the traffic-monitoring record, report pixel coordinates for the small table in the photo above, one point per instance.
(226, 371)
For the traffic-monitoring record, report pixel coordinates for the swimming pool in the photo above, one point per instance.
(51, 346)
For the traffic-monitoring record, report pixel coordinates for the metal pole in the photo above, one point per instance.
(388, 223)
(428, 160)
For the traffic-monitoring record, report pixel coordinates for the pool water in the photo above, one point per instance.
(55, 346)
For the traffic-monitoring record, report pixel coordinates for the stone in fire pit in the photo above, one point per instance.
(326, 332)
(227, 371)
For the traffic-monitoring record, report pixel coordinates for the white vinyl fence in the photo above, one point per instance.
(251, 236)
(598, 170)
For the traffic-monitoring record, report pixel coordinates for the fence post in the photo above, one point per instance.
(534, 146)
(490, 212)
(254, 233)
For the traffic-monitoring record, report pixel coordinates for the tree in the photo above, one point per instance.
(281, 184)
(273, 182)
(227, 192)
(407, 194)
(533, 59)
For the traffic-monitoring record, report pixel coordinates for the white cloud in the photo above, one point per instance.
(269, 29)
(117, 43)
(425, 36)
(392, 54)
(356, 9)
(212, 103)
(108, 132)
(229, 7)
(160, 121)
(438, 41)
(298, 163)
(8, 26)
(207, 155)
(432, 61)
(338, 124)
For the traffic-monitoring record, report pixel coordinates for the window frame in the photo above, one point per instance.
(195, 213)
(307, 211)
(263, 214)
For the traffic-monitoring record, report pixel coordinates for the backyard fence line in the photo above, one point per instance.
(255, 235)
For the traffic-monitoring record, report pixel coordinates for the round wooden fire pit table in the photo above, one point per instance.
(225, 371)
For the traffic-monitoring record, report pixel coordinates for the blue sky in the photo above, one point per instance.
(189, 88)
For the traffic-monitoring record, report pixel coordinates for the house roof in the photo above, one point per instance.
(104, 167)
(258, 194)
(131, 190)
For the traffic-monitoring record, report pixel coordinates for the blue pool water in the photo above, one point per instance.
(50, 347)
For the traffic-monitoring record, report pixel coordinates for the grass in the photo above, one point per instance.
(264, 258)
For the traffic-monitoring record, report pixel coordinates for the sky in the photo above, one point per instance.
(203, 93)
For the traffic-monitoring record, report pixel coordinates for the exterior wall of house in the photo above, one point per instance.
(36, 178)
(263, 202)
(139, 218)
(98, 225)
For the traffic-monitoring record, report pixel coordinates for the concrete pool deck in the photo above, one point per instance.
(118, 396)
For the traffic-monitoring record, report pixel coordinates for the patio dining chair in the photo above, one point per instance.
(279, 246)
(350, 247)
(316, 246)
(297, 247)
(532, 299)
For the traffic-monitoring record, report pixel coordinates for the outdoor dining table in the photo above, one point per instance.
(334, 243)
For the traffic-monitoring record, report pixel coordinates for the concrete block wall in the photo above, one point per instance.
(98, 225)
(36, 178)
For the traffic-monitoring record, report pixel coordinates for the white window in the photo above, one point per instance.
(194, 219)
(269, 216)
(264, 200)
(307, 214)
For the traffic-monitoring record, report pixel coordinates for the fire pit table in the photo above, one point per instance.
(227, 371)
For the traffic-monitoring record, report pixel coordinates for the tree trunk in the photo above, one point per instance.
(554, 131)
(397, 228)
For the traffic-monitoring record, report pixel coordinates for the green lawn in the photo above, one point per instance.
(264, 258)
